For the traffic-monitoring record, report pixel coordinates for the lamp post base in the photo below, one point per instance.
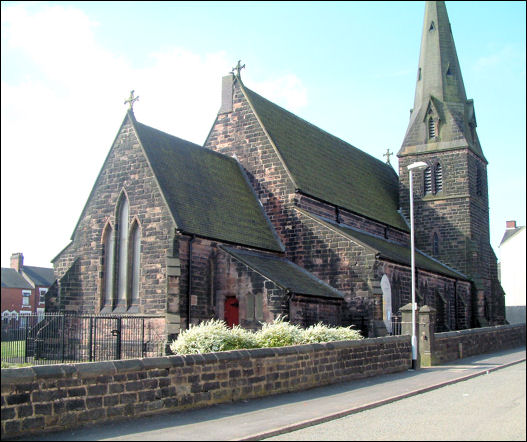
(414, 364)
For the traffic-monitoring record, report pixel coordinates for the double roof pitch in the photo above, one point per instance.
(328, 168)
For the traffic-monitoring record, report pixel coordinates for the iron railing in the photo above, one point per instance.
(54, 338)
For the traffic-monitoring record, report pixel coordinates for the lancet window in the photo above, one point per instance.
(121, 260)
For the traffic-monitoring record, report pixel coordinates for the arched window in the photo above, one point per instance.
(435, 244)
(122, 247)
(135, 262)
(438, 178)
(428, 181)
(431, 128)
(108, 263)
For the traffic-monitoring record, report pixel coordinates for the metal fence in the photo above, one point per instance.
(396, 326)
(54, 338)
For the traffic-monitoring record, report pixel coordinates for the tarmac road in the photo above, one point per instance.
(487, 407)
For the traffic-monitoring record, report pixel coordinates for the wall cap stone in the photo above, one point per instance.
(476, 331)
(22, 375)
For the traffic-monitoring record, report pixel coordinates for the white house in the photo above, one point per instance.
(512, 265)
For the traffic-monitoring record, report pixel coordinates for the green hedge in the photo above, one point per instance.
(214, 335)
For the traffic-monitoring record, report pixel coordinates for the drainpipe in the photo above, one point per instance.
(189, 276)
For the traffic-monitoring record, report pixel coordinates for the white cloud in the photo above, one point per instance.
(286, 90)
(60, 118)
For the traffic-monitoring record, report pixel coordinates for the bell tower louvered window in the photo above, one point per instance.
(431, 128)
(438, 178)
(428, 181)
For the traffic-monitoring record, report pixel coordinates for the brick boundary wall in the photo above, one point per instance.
(449, 346)
(66, 396)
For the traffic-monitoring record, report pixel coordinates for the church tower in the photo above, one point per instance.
(451, 195)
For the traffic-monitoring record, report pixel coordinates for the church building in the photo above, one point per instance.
(273, 216)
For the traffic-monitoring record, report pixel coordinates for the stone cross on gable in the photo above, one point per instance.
(387, 155)
(237, 68)
(131, 100)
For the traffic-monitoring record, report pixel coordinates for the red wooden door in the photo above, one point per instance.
(231, 311)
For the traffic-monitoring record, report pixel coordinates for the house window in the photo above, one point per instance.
(42, 295)
(438, 178)
(428, 181)
(26, 294)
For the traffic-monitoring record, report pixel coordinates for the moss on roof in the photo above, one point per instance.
(206, 192)
(284, 273)
(401, 253)
(395, 252)
(330, 169)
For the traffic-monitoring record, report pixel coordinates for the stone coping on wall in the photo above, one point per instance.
(24, 375)
(476, 331)
(459, 344)
(66, 396)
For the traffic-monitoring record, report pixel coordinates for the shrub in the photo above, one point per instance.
(206, 337)
(214, 335)
(279, 334)
(323, 333)
(211, 336)
(239, 338)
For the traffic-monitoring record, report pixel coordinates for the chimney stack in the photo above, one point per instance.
(17, 261)
(227, 91)
(511, 224)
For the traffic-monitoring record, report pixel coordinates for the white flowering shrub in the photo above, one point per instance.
(206, 337)
(323, 333)
(211, 336)
(279, 334)
(214, 335)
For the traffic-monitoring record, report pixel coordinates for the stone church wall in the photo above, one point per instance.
(239, 133)
(451, 298)
(125, 170)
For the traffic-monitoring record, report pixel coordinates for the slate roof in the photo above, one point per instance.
(12, 279)
(207, 192)
(394, 252)
(509, 233)
(440, 83)
(284, 273)
(41, 276)
(328, 168)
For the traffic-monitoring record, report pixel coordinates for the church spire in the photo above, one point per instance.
(442, 117)
(439, 73)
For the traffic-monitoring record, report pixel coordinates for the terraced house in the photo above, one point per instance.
(274, 216)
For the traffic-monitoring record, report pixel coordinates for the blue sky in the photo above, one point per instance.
(347, 67)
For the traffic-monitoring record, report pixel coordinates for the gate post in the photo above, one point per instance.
(426, 332)
(119, 334)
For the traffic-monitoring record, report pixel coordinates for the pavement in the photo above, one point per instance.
(260, 418)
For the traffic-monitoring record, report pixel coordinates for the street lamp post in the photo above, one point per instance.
(420, 165)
